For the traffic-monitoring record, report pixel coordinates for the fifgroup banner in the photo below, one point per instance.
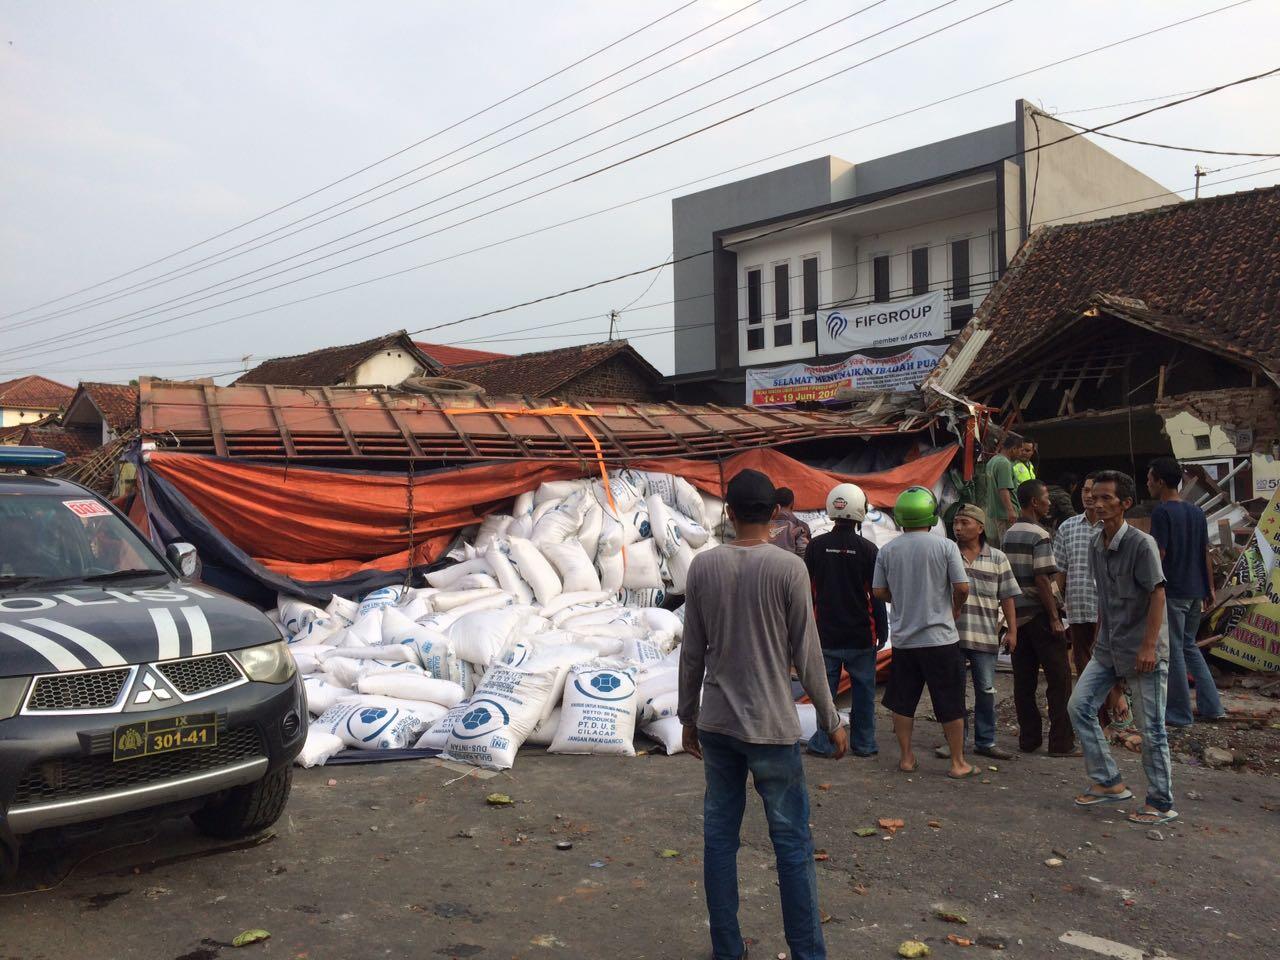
(1251, 629)
(902, 322)
(799, 382)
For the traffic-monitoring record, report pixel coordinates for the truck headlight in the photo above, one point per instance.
(269, 663)
(12, 690)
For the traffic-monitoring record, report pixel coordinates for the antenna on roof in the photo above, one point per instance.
(613, 322)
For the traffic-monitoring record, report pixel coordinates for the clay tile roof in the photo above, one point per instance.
(541, 374)
(1209, 269)
(118, 403)
(448, 356)
(74, 443)
(34, 393)
(329, 366)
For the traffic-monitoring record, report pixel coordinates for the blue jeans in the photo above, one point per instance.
(1184, 656)
(778, 774)
(861, 665)
(982, 667)
(1147, 692)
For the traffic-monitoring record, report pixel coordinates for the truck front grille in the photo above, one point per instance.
(84, 690)
(199, 674)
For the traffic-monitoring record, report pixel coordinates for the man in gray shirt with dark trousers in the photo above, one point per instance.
(748, 621)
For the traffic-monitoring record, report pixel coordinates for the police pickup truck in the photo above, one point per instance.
(124, 685)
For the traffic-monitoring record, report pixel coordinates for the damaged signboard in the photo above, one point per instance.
(1251, 629)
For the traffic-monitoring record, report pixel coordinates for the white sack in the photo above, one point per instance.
(494, 526)
(480, 637)
(570, 560)
(807, 714)
(660, 706)
(476, 581)
(534, 569)
(694, 533)
(635, 525)
(545, 731)
(521, 526)
(365, 632)
(444, 579)
(445, 602)
(678, 567)
(655, 681)
(390, 652)
(320, 746)
(612, 568)
(612, 536)
(643, 651)
(318, 632)
(369, 726)
(668, 731)
(663, 527)
(296, 614)
(645, 597)
(503, 711)
(559, 523)
(505, 571)
(598, 715)
(626, 487)
(590, 529)
(642, 569)
(382, 597)
(322, 694)
(307, 662)
(600, 646)
(408, 687)
(691, 502)
(344, 609)
(523, 505)
(438, 734)
(558, 490)
(342, 671)
(371, 668)
(576, 598)
(411, 608)
(543, 508)
(655, 618)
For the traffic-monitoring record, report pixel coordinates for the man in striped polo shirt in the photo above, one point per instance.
(992, 588)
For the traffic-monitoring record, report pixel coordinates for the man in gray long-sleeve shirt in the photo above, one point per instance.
(748, 621)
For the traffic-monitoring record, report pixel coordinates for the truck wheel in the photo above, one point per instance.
(244, 810)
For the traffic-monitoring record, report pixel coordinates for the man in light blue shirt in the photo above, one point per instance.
(927, 575)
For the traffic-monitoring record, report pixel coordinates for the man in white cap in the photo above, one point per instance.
(852, 624)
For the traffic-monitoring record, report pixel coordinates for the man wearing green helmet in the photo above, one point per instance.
(927, 575)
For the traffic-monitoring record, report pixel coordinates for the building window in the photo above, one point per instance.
(920, 271)
(809, 326)
(880, 278)
(753, 296)
(960, 315)
(782, 334)
(1202, 441)
(960, 269)
(755, 338)
(782, 291)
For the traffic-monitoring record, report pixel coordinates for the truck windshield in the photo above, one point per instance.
(67, 539)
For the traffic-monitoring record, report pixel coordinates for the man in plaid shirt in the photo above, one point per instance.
(1075, 582)
(992, 588)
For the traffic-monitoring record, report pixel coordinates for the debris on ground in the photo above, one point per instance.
(891, 824)
(958, 940)
(498, 800)
(1053, 862)
(912, 948)
(865, 831)
(949, 916)
(250, 936)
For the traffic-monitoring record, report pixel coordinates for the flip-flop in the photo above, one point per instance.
(1097, 798)
(1153, 818)
(911, 769)
(973, 772)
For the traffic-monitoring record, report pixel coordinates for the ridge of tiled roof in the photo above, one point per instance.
(540, 374)
(74, 443)
(117, 401)
(448, 355)
(1209, 268)
(329, 366)
(34, 392)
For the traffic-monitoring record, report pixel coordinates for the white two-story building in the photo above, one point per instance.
(826, 234)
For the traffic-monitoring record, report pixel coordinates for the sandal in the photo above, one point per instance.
(1091, 799)
(973, 772)
(1153, 818)
(911, 769)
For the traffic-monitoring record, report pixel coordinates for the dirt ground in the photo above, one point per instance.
(408, 860)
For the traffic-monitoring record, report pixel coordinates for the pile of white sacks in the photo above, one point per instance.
(550, 631)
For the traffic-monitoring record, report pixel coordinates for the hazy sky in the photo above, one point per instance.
(130, 130)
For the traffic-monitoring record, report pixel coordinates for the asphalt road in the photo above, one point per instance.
(406, 860)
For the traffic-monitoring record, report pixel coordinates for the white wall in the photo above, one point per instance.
(12, 416)
(845, 272)
(386, 367)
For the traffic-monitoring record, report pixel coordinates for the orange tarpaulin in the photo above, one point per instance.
(314, 524)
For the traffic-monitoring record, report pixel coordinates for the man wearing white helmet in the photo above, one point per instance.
(852, 624)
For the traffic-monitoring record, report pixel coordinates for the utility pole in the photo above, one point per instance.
(613, 322)
(1200, 172)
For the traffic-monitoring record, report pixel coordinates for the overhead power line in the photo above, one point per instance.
(686, 184)
(355, 173)
(244, 248)
(1170, 146)
(132, 318)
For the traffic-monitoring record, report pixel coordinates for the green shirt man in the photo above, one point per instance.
(1002, 508)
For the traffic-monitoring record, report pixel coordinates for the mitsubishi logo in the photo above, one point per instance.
(150, 690)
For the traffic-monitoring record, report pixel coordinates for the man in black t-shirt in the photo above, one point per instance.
(852, 624)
